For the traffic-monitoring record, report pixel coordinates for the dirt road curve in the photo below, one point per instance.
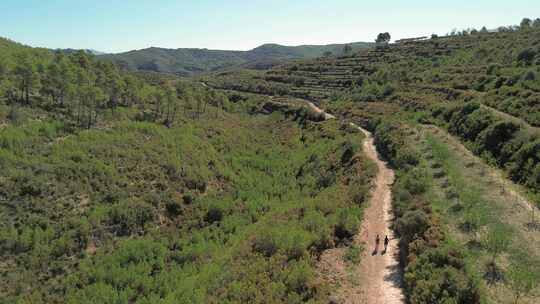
(377, 279)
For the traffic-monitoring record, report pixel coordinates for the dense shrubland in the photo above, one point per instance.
(166, 192)
(138, 214)
(143, 188)
(245, 81)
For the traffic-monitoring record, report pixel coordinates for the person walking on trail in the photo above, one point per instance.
(386, 241)
(377, 241)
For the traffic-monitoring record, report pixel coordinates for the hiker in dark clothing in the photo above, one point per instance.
(386, 241)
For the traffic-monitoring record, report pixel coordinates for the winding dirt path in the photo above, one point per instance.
(377, 279)
(380, 271)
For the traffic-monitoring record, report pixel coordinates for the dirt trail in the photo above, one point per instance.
(377, 279)
(381, 271)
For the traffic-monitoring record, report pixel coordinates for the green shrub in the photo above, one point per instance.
(174, 207)
(214, 214)
(353, 254)
(98, 293)
(413, 224)
(526, 56)
(131, 216)
(494, 137)
(265, 243)
(390, 141)
(493, 69)
(293, 243)
(529, 76)
(15, 115)
(298, 277)
(316, 223)
(415, 181)
(439, 276)
(348, 221)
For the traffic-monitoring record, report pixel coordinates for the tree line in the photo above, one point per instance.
(525, 24)
(81, 87)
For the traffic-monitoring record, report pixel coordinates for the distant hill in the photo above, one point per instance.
(194, 61)
(89, 51)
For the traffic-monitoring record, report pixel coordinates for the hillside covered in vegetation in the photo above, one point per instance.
(457, 118)
(124, 188)
(186, 62)
(497, 70)
(119, 185)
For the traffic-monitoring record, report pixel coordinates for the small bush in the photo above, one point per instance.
(348, 221)
(174, 208)
(415, 181)
(214, 214)
(353, 254)
(131, 216)
(265, 243)
(529, 76)
(413, 223)
(526, 56)
(298, 277)
(15, 115)
(493, 69)
(440, 274)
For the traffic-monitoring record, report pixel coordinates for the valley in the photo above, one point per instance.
(264, 176)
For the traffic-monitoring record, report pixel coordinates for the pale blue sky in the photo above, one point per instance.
(122, 25)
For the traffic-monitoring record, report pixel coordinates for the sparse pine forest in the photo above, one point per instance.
(123, 186)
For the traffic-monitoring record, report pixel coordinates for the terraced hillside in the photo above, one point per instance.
(498, 69)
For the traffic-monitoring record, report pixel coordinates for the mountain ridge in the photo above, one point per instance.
(192, 61)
